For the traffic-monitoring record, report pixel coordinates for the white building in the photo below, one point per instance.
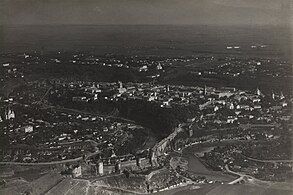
(76, 172)
(9, 114)
(28, 129)
(101, 168)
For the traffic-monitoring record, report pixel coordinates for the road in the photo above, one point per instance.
(43, 163)
(53, 162)
(88, 113)
(63, 109)
(269, 161)
(245, 126)
(246, 178)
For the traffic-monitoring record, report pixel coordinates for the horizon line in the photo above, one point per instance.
(244, 25)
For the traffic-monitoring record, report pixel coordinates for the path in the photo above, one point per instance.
(245, 177)
(269, 161)
(43, 163)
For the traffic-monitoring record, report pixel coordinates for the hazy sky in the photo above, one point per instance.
(146, 12)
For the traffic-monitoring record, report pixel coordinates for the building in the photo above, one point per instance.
(258, 92)
(76, 172)
(230, 106)
(190, 120)
(151, 98)
(93, 89)
(28, 129)
(190, 132)
(143, 68)
(80, 99)
(167, 88)
(121, 89)
(95, 96)
(118, 167)
(9, 114)
(101, 168)
(273, 96)
(159, 67)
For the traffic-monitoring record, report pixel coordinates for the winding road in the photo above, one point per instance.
(269, 161)
(43, 163)
(52, 162)
(245, 177)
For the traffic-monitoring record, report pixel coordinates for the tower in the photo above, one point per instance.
(9, 114)
(120, 88)
(118, 167)
(258, 92)
(190, 132)
(96, 96)
(273, 96)
(167, 88)
(101, 168)
(120, 84)
(205, 90)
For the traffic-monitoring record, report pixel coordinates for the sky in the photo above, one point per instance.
(175, 12)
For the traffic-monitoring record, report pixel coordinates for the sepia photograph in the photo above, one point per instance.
(163, 97)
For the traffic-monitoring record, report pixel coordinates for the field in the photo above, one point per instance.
(246, 189)
(225, 190)
(121, 183)
(38, 186)
(70, 187)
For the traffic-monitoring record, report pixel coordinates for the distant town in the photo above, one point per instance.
(139, 125)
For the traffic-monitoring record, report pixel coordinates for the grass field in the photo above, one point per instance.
(133, 183)
(218, 189)
(36, 187)
(247, 189)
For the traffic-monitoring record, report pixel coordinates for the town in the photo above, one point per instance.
(141, 127)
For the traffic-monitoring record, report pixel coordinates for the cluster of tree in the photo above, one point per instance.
(82, 72)
(161, 120)
(101, 107)
(149, 114)
(279, 150)
(246, 82)
(134, 142)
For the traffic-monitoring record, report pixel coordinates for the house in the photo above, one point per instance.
(190, 120)
(28, 129)
(231, 119)
(9, 114)
(93, 89)
(76, 171)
